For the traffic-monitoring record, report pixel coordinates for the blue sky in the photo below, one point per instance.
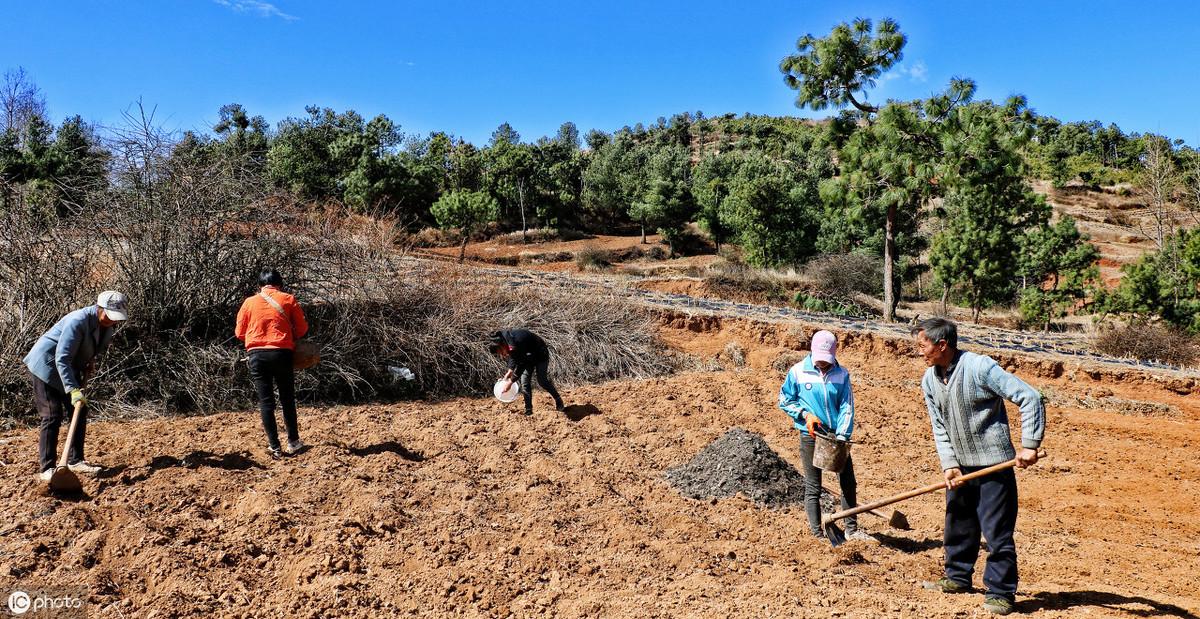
(465, 67)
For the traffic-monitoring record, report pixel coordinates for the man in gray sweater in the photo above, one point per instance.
(965, 395)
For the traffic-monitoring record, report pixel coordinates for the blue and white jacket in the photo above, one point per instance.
(828, 396)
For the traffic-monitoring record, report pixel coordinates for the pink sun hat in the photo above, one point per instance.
(824, 346)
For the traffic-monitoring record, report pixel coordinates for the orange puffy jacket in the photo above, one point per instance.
(259, 325)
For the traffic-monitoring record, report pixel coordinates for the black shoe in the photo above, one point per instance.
(274, 452)
(528, 412)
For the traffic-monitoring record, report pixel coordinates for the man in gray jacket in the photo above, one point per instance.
(965, 395)
(59, 365)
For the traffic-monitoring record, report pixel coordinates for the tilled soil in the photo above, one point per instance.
(467, 508)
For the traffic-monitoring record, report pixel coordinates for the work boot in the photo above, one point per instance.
(997, 605)
(84, 467)
(945, 585)
(46, 475)
(295, 446)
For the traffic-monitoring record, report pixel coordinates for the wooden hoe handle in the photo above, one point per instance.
(62, 460)
(924, 490)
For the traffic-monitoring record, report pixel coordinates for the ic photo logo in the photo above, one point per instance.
(46, 604)
(19, 603)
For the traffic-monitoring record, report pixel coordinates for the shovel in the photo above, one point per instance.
(64, 479)
(895, 519)
(837, 537)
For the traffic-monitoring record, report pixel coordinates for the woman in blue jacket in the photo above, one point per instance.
(816, 394)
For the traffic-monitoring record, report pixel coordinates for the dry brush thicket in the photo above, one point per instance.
(842, 277)
(185, 237)
(539, 235)
(1147, 341)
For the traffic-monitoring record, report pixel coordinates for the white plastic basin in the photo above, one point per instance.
(514, 390)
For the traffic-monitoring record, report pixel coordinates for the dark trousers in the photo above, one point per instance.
(53, 406)
(986, 506)
(272, 369)
(526, 373)
(812, 487)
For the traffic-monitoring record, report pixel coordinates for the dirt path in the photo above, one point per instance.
(464, 508)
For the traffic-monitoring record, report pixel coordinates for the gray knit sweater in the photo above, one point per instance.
(970, 425)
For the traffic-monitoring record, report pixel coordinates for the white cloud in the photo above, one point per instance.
(918, 72)
(262, 9)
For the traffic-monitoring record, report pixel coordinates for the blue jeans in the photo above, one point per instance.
(986, 506)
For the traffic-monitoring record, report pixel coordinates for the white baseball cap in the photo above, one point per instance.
(114, 304)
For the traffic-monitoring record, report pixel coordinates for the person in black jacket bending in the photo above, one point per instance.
(525, 354)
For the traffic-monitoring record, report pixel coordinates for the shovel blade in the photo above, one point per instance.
(833, 533)
(65, 481)
(898, 521)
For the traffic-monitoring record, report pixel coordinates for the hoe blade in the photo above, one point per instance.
(64, 481)
(833, 533)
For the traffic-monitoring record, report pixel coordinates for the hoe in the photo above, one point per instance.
(895, 518)
(837, 537)
(64, 480)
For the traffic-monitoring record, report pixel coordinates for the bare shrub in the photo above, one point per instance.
(42, 275)
(800, 333)
(687, 362)
(843, 276)
(184, 238)
(739, 281)
(435, 237)
(653, 252)
(540, 235)
(592, 258)
(544, 257)
(437, 320)
(736, 354)
(1146, 341)
(640, 270)
(786, 360)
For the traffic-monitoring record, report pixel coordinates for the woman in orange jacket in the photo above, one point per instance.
(269, 323)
